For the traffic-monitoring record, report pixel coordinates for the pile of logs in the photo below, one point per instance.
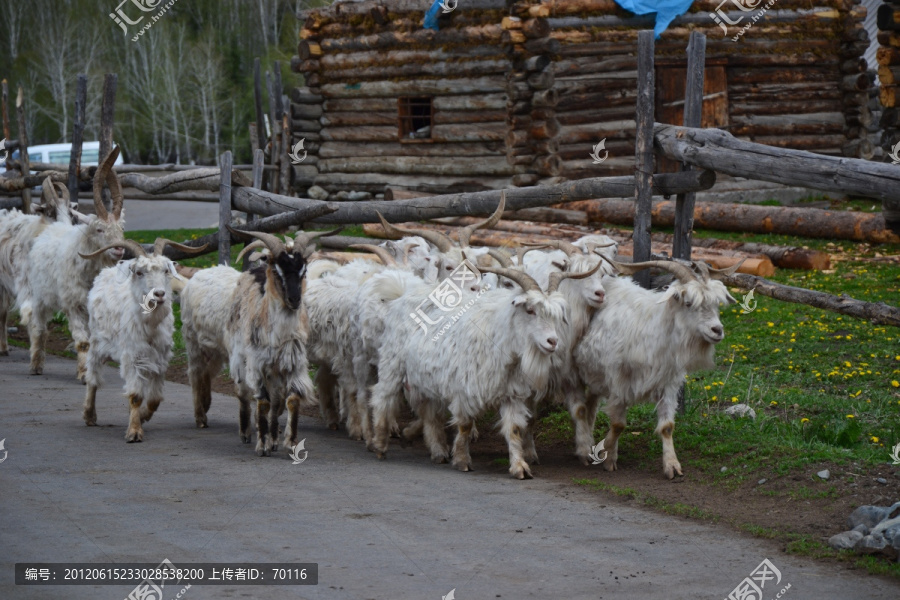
(888, 56)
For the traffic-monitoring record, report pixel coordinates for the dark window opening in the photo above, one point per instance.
(415, 118)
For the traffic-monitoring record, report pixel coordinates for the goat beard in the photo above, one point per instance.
(701, 355)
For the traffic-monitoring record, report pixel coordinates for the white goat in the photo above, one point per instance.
(255, 321)
(59, 279)
(496, 355)
(640, 346)
(17, 234)
(131, 322)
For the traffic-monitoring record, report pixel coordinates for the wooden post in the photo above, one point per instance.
(275, 139)
(693, 114)
(225, 163)
(23, 149)
(643, 154)
(6, 132)
(285, 160)
(257, 96)
(107, 116)
(259, 160)
(77, 136)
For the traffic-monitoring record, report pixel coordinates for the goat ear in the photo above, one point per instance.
(730, 299)
(518, 301)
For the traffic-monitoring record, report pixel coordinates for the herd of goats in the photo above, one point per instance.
(451, 328)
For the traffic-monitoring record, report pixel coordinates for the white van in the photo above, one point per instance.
(60, 154)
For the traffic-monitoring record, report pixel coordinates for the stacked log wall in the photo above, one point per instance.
(360, 58)
(888, 57)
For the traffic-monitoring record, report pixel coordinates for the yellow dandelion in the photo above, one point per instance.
(895, 383)
(734, 399)
(851, 416)
(874, 439)
(804, 420)
(773, 403)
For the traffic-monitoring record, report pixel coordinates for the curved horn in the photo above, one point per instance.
(557, 277)
(466, 232)
(440, 241)
(275, 246)
(567, 247)
(381, 253)
(304, 239)
(504, 260)
(521, 252)
(681, 272)
(702, 268)
(160, 245)
(525, 281)
(723, 273)
(251, 246)
(132, 245)
(115, 190)
(101, 176)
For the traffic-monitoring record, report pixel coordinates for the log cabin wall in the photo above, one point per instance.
(888, 57)
(522, 91)
(371, 70)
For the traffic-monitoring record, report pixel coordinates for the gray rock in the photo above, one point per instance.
(824, 474)
(761, 481)
(723, 469)
(12, 330)
(870, 543)
(870, 516)
(881, 480)
(845, 540)
(889, 528)
(317, 193)
(357, 196)
(740, 410)
(862, 529)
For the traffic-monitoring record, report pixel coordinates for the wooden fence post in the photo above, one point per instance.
(259, 161)
(693, 116)
(77, 136)
(643, 154)
(23, 149)
(107, 116)
(5, 107)
(260, 120)
(225, 163)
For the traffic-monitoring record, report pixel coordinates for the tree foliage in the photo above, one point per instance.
(185, 85)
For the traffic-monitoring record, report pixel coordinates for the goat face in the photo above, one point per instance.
(540, 316)
(590, 288)
(289, 269)
(151, 280)
(106, 232)
(699, 308)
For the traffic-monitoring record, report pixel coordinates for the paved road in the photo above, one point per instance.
(398, 529)
(168, 214)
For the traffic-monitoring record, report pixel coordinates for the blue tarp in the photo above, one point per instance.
(666, 10)
(431, 17)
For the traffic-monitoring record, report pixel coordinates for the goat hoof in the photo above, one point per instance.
(37, 371)
(464, 467)
(262, 452)
(90, 421)
(440, 459)
(610, 465)
(246, 439)
(380, 455)
(202, 425)
(333, 426)
(134, 437)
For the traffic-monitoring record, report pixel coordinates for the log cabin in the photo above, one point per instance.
(514, 93)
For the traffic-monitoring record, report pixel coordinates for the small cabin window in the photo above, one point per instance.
(415, 117)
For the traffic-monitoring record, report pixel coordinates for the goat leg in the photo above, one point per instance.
(513, 422)
(135, 433)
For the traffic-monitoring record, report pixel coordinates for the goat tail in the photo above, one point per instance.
(388, 286)
(321, 268)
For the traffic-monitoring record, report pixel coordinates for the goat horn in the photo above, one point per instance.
(557, 277)
(525, 281)
(568, 248)
(275, 246)
(681, 272)
(101, 177)
(723, 273)
(160, 245)
(382, 253)
(593, 248)
(521, 252)
(466, 232)
(702, 268)
(251, 246)
(115, 189)
(132, 245)
(440, 241)
(504, 260)
(304, 239)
